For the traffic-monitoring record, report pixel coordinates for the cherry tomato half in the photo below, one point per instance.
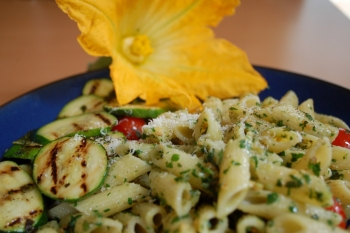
(343, 139)
(131, 127)
(337, 208)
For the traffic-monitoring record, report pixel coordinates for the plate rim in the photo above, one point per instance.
(257, 67)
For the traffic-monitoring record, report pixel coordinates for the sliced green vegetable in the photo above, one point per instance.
(89, 125)
(101, 87)
(24, 148)
(18, 151)
(70, 168)
(82, 104)
(21, 203)
(140, 110)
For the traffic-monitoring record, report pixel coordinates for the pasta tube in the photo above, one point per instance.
(298, 185)
(113, 200)
(293, 223)
(206, 221)
(173, 192)
(150, 213)
(234, 177)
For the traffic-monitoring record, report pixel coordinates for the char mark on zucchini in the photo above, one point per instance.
(104, 119)
(70, 168)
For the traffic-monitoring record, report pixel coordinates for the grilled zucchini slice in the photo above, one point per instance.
(21, 203)
(70, 168)
(139, 109)
(82, 104)
(102, 87)
(89, 125)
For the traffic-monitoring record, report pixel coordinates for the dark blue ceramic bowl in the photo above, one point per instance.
(41, 106)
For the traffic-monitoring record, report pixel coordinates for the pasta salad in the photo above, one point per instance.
(241, 165)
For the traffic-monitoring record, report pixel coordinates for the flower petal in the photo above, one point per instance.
(186, 60)
(97, 21)
(131, 83)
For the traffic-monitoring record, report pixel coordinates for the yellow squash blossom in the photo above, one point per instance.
(164, 49)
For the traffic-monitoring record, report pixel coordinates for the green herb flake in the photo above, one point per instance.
(244, 144)
(336, 175)
(294, 183)
(293, 209)
(178, 218)
(175, 157)
(296, 156)
(130, 201)
(280, 123)
(279, 183)
(308, 116)
(235, 163)
(315, 167)
(195, 173)
(83, 108)
(97, 214)
(271, 198)
(282, 154)
(226, 170)
(86, 226)
(255, 160)
(319, 196)
(303, 124)
(330, 222)
(169, 164)
(307, 178)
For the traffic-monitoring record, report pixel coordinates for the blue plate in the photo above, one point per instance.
(41, 106)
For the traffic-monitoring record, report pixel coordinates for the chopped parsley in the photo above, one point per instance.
(294, 183)
(271, 198)
(296, 156)
(244, 144)
(308, 116)
(175, 157)
(315, 167)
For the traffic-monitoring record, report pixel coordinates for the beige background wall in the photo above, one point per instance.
(38, 42)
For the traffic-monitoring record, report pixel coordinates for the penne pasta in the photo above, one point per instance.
(298, 185)
(290, 223)
(250, 223)
(234, 177)
(205, 220)
(171, 191)
(237, 165)
(125, 169)
(113, 200)
(152, 214)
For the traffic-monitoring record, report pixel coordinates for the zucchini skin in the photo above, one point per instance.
(89, 125)
(25, 152)
(70, 168)
(24, 148)
(82, 104)
(102, 87)
(139, 109)
(21, 203)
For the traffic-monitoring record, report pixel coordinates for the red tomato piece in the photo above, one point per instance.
(343, 139)
(337, 208)
(131, 127)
